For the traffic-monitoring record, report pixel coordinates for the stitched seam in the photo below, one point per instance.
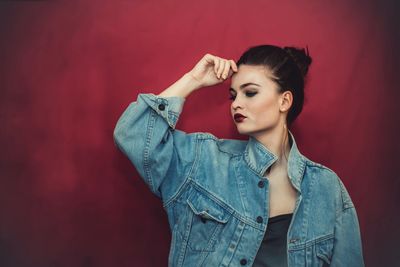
(205, 135)
(209, 195)
(146, 151)
(312, 242)
(182, 188)
(229, 209)
(226, 151)
(208, 136)
(253, 168)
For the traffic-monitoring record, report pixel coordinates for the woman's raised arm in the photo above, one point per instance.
(210, 70)
(146, 134)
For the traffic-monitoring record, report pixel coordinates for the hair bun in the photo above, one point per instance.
(301, 57)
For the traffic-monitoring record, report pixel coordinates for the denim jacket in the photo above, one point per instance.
(217, 199)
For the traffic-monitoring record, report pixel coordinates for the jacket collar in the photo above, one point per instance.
(259, 158)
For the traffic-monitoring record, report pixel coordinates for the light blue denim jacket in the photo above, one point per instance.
(217, 208)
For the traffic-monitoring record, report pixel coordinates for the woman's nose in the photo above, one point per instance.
(236, 103)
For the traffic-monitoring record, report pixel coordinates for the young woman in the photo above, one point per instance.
(229, 202)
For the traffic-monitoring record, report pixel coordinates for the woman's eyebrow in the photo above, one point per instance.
(243, 86)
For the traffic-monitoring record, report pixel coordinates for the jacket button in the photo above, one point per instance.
(161, 107)
(259, 219)
(243, 261)
(261, 184)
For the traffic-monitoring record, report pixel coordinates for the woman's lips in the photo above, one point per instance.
(239, 117)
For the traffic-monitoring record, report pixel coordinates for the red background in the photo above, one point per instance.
(68, 197)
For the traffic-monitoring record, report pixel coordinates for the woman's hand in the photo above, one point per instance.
(211, 70)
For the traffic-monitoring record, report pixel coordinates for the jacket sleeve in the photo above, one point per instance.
(146, 134)
(347, 249)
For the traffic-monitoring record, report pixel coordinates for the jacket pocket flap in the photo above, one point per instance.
(207, 208)
(324, 249)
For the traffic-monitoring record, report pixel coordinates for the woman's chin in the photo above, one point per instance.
(241, 130)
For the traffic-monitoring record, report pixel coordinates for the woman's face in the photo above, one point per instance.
(255, 96)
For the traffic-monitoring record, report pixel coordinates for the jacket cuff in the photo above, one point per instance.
(167, 107)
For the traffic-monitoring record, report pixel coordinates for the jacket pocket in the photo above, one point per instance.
(207, 220)
(324, 251)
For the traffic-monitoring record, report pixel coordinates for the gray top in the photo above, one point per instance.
(272, 252)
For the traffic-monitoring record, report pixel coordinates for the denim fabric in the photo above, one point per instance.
(217, 210)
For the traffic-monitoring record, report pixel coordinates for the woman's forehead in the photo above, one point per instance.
(251, 74)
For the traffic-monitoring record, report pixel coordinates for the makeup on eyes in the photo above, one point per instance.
(244, 85)
(248, 94)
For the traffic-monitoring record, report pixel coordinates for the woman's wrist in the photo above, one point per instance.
(182, 87)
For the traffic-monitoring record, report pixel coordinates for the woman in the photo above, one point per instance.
(229, 202)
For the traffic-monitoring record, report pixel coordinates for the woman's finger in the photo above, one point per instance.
(221, 68)
(226, 69)
(216, 65)
(233, 64)
(209, 58)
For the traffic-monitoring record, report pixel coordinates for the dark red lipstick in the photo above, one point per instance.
(239, 117)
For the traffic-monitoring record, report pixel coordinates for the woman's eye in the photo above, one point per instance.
(250, 94)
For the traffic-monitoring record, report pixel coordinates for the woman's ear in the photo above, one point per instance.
(286, 101)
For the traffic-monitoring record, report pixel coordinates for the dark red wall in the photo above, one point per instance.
(68, 197)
